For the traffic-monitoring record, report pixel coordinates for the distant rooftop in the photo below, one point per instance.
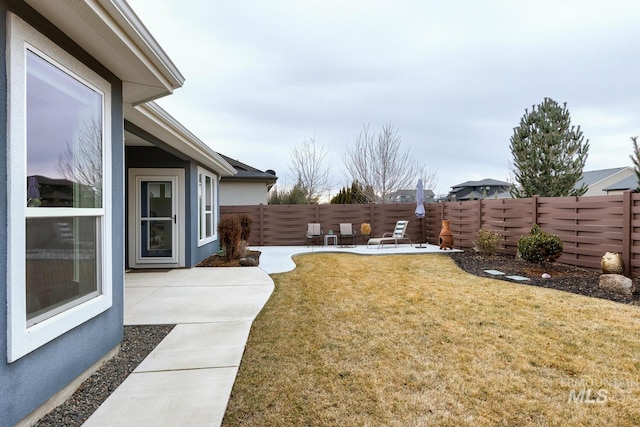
(248, 173)
(591, 177)
(483, 183)
(629, 183)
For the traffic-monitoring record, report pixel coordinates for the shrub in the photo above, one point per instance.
(246, 221)
(487, 241)
(539, 246)
(230, 230)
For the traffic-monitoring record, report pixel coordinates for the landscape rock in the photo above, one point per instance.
(612, 263)
(617, 283)
(249, 261)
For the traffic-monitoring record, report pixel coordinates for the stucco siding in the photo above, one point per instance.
(243, 193)
(35, 377)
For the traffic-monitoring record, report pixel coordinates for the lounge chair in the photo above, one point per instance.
(397, 235)
(347, 233)
(314, 232)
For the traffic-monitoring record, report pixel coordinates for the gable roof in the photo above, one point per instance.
(592, 177)
(629, 183)
(248, 173)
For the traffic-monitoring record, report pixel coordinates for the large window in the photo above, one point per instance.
(59, 170)
(207, 203)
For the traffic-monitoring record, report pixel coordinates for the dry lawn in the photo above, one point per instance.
(412, 340)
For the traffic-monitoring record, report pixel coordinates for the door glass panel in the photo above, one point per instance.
(157, 219)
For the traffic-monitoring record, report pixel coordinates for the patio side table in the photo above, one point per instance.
(331, 236)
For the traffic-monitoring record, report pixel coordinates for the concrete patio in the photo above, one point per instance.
(187, 379)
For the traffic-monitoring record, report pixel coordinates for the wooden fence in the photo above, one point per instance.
(588, 226)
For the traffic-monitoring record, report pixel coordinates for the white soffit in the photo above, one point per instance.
(112, 33)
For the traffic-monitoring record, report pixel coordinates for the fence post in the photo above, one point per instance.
(627, 215)
(261, 223)
(479, 214)
(534, 209)
(372, 216)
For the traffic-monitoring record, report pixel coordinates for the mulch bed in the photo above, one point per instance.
(221, 261)
(563, 277)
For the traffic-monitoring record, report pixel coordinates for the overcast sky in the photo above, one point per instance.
(454, 77)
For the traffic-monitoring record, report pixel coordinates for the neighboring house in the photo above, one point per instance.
(409, 196)
(483, 189)
(79, 204)
(598, 181)
(628, 183)
(249, 186)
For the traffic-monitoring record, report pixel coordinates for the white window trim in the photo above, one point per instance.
(21, 339)
(202, 173)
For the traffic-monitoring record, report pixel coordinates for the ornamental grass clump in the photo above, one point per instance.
(540, 246)
(487, 242)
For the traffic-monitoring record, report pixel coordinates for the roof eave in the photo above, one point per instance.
(153, 119)
(111, 32)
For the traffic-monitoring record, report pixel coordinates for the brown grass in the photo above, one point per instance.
(412, 340)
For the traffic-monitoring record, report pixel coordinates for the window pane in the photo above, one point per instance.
(209, 221)
(64, 138)
(61, 262)
(208, 193)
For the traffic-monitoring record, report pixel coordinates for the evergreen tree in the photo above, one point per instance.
(635, 158)
(548, 153)
(350, 195)
(295, 196)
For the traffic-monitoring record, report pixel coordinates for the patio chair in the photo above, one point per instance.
(397, 235)
(314, 232)
(347, 232)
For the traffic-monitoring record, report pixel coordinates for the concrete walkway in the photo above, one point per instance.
(187, 379)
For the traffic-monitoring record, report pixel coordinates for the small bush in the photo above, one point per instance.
(540, 246)
(487, 242)
(246, 221)
(230, 230)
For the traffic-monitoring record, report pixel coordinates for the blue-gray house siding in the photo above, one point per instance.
(84, 33)
(166, 157)
(32, 379)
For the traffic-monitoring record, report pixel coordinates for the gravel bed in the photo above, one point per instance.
(138, 342)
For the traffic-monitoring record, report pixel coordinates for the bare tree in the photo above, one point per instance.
(310, 169)
(429, 177)
(81, 163)
(376, 163)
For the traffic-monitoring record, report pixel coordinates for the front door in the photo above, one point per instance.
(155, 219)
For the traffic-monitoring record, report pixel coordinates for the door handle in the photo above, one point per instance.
(175, 219)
